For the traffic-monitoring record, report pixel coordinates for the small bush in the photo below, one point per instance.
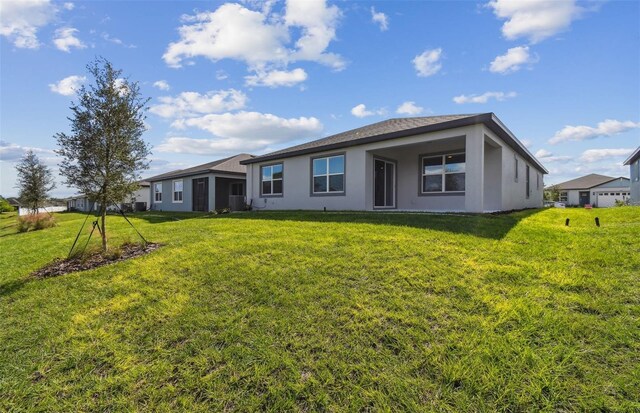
(5, 206)
(35, 222)
(620, 202)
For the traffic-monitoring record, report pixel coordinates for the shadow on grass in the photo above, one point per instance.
(479, 225)
(10, 287)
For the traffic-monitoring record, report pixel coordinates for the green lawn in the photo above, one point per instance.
(330, 311)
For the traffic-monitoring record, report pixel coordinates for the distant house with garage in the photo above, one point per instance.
(596, 190)
(634, 173)
(215, 185)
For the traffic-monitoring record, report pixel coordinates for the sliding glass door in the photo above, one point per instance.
(384, 184)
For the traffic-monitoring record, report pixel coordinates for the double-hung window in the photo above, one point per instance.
(157, 192)
(528, 180)
(271, 180)
(328, 175)
(177, 190)
(443, 173)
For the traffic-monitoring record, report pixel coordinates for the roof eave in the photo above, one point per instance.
(489, 119)
(633, 157)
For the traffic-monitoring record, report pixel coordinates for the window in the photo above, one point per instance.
(537, 181)
(563, 197)
(528, 180)
(443, 173)
(271, 183)
(177, 191)
(638, 170)
(328, 175)
(515, 158)
(157, 191)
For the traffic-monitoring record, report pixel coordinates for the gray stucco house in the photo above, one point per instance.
(597, 190)
(138, 200)
(214, 185)
(469, 163)
(634, 173)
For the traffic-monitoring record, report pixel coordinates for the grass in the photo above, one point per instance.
(302, 311)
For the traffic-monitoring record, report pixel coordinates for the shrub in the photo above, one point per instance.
(620, 202)
(5, 206)
(35, 222)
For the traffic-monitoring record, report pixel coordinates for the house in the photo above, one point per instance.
(138, 201)
(634, 173)
(469, 163)
(214, 185)
(593, 189)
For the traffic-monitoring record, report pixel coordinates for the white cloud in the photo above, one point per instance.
(68, 86)
(409, 108)
(65, 39)
(115, 40)
(535, 20)
(194, 103)
(428, 63)
(221, 75)
(261, 39)
(380, 18)
(12, 152)
(162, 85)
(361, 111)
(484, 98)
(20, 20)
(513, 60)
(548, 157)
(276, 78)
(242, 131)
(595, 155)
(68, 6)
(608, 127)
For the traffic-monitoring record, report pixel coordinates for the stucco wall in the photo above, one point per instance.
(634, 170)
(186, 205)
(500, 192)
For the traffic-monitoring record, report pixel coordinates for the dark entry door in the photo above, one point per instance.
(384, 184)
(584, 198)
(201, 194)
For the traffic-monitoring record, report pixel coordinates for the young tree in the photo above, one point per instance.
(104, 153)
(35, 180)
(552, 193)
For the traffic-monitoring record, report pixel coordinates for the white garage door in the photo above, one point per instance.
(608, 199)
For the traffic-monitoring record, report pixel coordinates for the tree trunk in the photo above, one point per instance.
(103, 214)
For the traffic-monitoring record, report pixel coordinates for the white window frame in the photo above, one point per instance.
(272, 193)
(565, 195)
(157, 185)
(328, 174)
(444, 173)
(174, 192)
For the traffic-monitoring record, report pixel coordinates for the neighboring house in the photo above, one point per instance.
(469, 163)
(14, 202)
(597, 190)
(634, 170)
(214, 185)
(138, 201)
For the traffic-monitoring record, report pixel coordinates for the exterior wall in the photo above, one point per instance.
(487, 188)
(186, 205)
(514, 194)
(142, 195)
(634, 170)
(573, 197)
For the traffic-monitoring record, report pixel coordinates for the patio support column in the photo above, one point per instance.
(474, 178)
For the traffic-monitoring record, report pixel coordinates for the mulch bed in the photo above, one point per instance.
(63, 266)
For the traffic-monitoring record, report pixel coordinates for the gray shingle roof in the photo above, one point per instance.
(585, 182)
(397, 128)
(226, 165)
(633, 157)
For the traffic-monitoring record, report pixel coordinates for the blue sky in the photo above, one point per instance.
(256, 76)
